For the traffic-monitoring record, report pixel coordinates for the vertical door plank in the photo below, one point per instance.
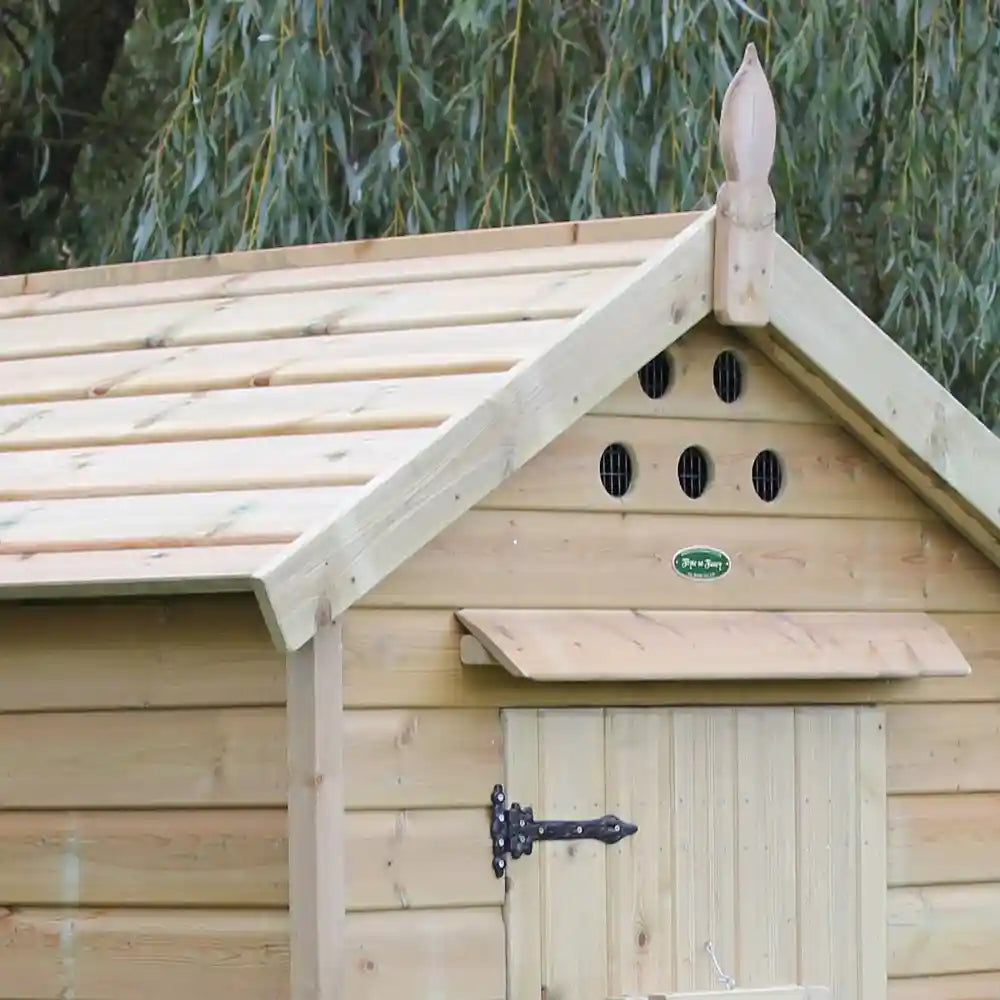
(574, 907)
(827, 847)
(767, 905)
(872, 869)
(522, 911)
(316, 842)
(705, 810)
(640, 770)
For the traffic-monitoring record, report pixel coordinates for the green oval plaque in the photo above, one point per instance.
(701, 562)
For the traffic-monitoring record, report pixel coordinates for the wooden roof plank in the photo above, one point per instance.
(499, 299)
(350, 357)
(335, 276)
(605, 645)
(347, 459)
(396, 514)
(397, 248)
(320, 407)
(112, 572)
(261, 517)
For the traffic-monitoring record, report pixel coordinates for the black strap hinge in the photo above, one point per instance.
(514, 830)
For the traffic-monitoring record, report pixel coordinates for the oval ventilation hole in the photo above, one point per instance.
(767, 475)
(616, 469)
(727, 377)
(693, 471)
(655, 375)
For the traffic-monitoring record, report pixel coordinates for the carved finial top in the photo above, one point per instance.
(747, 124)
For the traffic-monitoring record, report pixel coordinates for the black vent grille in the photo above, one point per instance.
(727, 377)
(655, 375)
(767, 475)
(693, 471)
(616, 469)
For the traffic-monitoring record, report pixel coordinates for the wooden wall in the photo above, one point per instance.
(143, 851)
(845, 534)
(142, 824)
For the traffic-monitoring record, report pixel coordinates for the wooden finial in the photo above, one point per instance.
(745, 209)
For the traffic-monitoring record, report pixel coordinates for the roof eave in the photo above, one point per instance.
(820, 338)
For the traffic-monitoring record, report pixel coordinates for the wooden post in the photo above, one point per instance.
(745, 209)
(316, 893)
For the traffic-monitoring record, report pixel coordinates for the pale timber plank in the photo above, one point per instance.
(284, 462)
(197, 650)
(840, 820)
(974, 986)
(943, 748)
(230, 517)
(317, 889)
(640, 876)
(872, 869)
(524, 901)
(208, 569)
(236, 757)
(595, 645)
(458, 302)
(705, 880)
(825, 791)
(412, 657)
(766, 834)
(492, 558)
(825, 473)
(414, 859)
(258, 364)
(161, 955)
(572, 786)
(402, 512)
(943, 930)
(325, 407)
(395, 249)
(346, 274)
(768, 394)
(935, 839)
(888, 386)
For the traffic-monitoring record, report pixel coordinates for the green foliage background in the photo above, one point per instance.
(289, 121)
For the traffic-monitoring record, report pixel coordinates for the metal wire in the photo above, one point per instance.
(692, 471)
(767, 475)
(655, 375)
(724, 980)
(616, 469)
(727, 377)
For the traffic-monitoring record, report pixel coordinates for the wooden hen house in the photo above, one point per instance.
(314, 561)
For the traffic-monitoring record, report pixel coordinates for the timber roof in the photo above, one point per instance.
(299, 422)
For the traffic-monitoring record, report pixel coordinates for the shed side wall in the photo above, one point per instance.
(143, 828)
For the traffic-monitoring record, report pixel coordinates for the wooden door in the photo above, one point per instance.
(759, 860)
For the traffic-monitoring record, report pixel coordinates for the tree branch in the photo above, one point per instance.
(87, 37)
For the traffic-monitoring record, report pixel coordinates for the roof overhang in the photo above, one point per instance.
(398, 513)
(601, 645)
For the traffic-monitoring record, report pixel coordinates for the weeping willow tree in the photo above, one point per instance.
(289, 121)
